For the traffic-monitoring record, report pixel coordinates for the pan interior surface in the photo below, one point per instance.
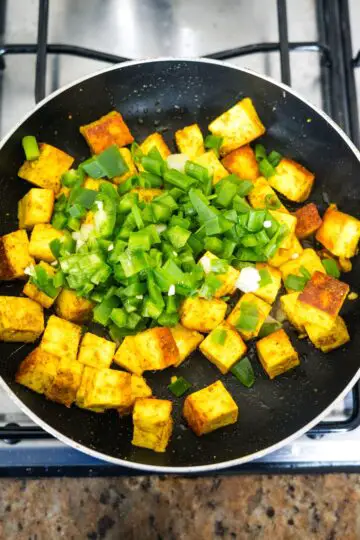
(165, 96)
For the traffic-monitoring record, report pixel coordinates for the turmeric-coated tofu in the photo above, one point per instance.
(41, 236)
(108, 130)
(72, 307)
(223, 347)
(96, 351)
(308, 260)
(249, 315)
(15, 256)
(290, 308)
(127, 157)
(139, 389)
(157, 348)
(190, 141)
(328, 339)
(276, 353)
(66, 383)
(147, 194)
(87, 377)
(268, 291)
(263, 196)
(47, 169)
(21, 319)
(282, 255)
(37, 371)
(35, 207)
(210, 161)
(228, 279)
(292, 180)
(128, 357)
(110, 389)
(242, 162)
(186, 341)
(289, 221)
(94, 183)
(308, 220)
(32, 291)
(210, 408)
(152, 423)
(155, 140)
(201, 314)
(61, 338)
(237, 126)
(339, 233)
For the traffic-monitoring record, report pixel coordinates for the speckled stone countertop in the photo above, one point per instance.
(172, 508)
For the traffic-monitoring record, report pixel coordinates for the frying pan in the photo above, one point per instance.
(166, 95)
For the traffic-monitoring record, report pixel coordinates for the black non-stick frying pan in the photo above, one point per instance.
(166, 95)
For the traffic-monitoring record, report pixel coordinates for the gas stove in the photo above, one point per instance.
(48, 43)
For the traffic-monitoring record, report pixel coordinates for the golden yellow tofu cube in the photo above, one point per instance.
(155, 140)
(242, 162)
(228, 279)
(35, 207)
(157, 348)
(276, 353)
(190, 141)
(201, 314)
(96, 351)
(256, 307)
(339, 233)
(289, 221)
(210, 161)
(94, 183)
(186, 341)
(66, 383)
(223, 347)
(152, 423)
(328, 339)
(289, 306)
(40, 239)
(21, 319)
(85, 385)
(308, 259)
(47, 169)
(270, 291)
(237, 126)
(128, 356)
(61, 338)
(108, 130)
(210, 408)
(110, 389)
(308, 220)
(127, 157)
(14, 255)
(292, 180)
(147, 194)
(283, 255)
(36, 294)
(263, 196)
(139, 389)
(37, 371)
(72, 307)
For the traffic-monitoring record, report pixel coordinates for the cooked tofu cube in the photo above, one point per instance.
(210, 161)
(328, 339)
(228, 279)
(270, 291)
(290, 223)
(283, 255)
(110, 389)
(47, 169)
(190, 141)
(238, 126)
(95, 183)
(259, 310)
(37, 371)
(35, 207)
(72, 307)
(223, 347)
(186, 341)
(308, 221)
(128, 357)
(126, 155)
(96, 351)
(21, 319)
(106, 131)
(66, 383)
(242, 162)
(210, 408)
(290, 308)
(15, 257)
(40, 239)
(155, 140)
(152, 423)
(87, 378)
(61, 338)
(201, 314)
(157, 348)
(339, 233)
(276, 353)
(321, 300)
(262, 196)
(308, 259)
(292, 180)
(139, 389)
(36, 294)
(147, 194)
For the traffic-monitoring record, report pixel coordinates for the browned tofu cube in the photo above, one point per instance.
(157, 348)
(249, 315)
(35, 207)
(15, 257)
(276, 353)
(61, 338)
(210, 161)
(328, 339)
(152, 423)
(242, 162)
(106, 131)
(36, 294)
(21, 319)
(139, 389)
(292, 180)
(263, 196)
(110, 389)
(66, 382)
(223, 347)
(127, 157)
(47, 169)
(308, 220)
(37, 371)
(72, 307)
(210, 408)
(155, 140)
(339, 233)
(40, 239)
(227, 279)
(96, 351)
(87, 378)
(186, 341)
(290, 308)
(307, 260)
(268, 291)
(283, 255)
(201, 314)
(190, 141)
(128, 356)
(289, 221)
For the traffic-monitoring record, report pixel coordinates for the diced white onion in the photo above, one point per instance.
(139, 296)
(177, 161)
(160, 228)
(205, 262)
(267, 224)
(171, 290)
(111, 247)
(295, 256)
(248, 280)
(29, 270)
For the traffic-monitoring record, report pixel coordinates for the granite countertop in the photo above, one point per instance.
(172, 508)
